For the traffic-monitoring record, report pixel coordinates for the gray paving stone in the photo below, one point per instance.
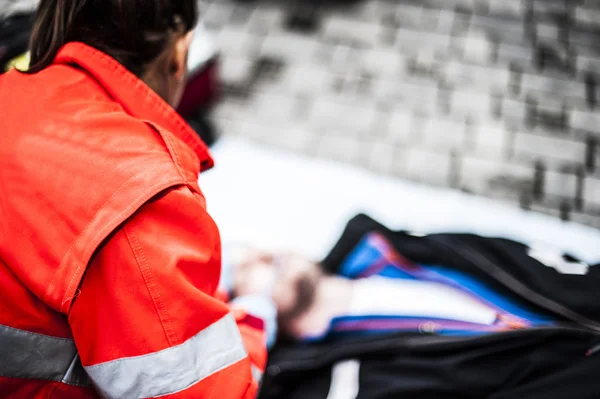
(448, 22)
(585, 62)
(585, 41)
(340, 148)
(386, 92)
(425, 64)
(428, 166)
(584, 218)
(547, 111)
(441, 134)
(257, 131)
(512, 8)
(545, 210)
(478, 77)
(491, 140)
(290, 47)
(275, 110)
(232, 110)
(473, 5)
(591, 191)
(541, 86)
(308, 79)
(446, 92)
(410, 42)
(475, 47)
(235, 70)
(238, 42)
(354, 119)
(267, 19)
(507, 54)
(587, 16)
(484, 175)
(363, 34)
(506, 30)
(531, 146)
(560, 184)
(470, 103)
(585, 120)
(385, 158)
(542, 7)
(414, 95)
(409, 15)
(547, 32)
(373, 10)
(589, 4)
(384, 63)
(228, 127)
(345, 59)
(514, 110)
(216, 15)
(296, 138)
(401, 127)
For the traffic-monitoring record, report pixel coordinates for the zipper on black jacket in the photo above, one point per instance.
(593, 351)
(430, 341)
(501, 276)
(517, 287)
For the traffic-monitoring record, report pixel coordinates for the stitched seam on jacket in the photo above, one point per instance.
(86, 229)
(171, 148)
(151, 95)
(111, 225)
(151, 286)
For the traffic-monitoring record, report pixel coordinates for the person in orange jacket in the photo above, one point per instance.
(109, 261)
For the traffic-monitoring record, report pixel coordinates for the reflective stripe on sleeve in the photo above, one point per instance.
(28, 355)
(174, 369)
(257, 373)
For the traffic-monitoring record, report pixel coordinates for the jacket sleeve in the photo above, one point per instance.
(146, 321)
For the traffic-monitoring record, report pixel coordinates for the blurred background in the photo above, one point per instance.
(495, 98)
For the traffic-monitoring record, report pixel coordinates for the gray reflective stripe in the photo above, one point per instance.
(29, 355)
(174, 369)
(257, 373)
(76, 374)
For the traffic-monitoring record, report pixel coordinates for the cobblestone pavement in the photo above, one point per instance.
(494, 97)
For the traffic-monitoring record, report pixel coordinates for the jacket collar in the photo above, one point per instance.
(136, 98)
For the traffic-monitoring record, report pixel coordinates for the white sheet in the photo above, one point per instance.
(384, 296)
(280, 200)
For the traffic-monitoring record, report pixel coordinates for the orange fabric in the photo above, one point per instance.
(98, 177)
(164, 264)
(254, 337)
(228, 384)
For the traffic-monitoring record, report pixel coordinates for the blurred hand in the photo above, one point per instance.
(254, 272)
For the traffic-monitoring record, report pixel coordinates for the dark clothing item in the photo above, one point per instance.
(503, 264)
(544, 365)
(555, 362)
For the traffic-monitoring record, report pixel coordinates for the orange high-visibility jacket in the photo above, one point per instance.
(109, 262)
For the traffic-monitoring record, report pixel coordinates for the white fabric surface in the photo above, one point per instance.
(279, 200)
(345, 379)
(383, 296)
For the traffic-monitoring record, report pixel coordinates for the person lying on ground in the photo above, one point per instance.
(456, 288)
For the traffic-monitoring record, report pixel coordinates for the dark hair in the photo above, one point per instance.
(134, 32)
(306, 291)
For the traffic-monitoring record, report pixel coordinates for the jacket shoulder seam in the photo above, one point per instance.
(150, 282)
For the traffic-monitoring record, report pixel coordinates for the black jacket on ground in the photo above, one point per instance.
(545, 362)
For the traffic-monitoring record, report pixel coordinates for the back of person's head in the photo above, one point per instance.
(134, 32)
